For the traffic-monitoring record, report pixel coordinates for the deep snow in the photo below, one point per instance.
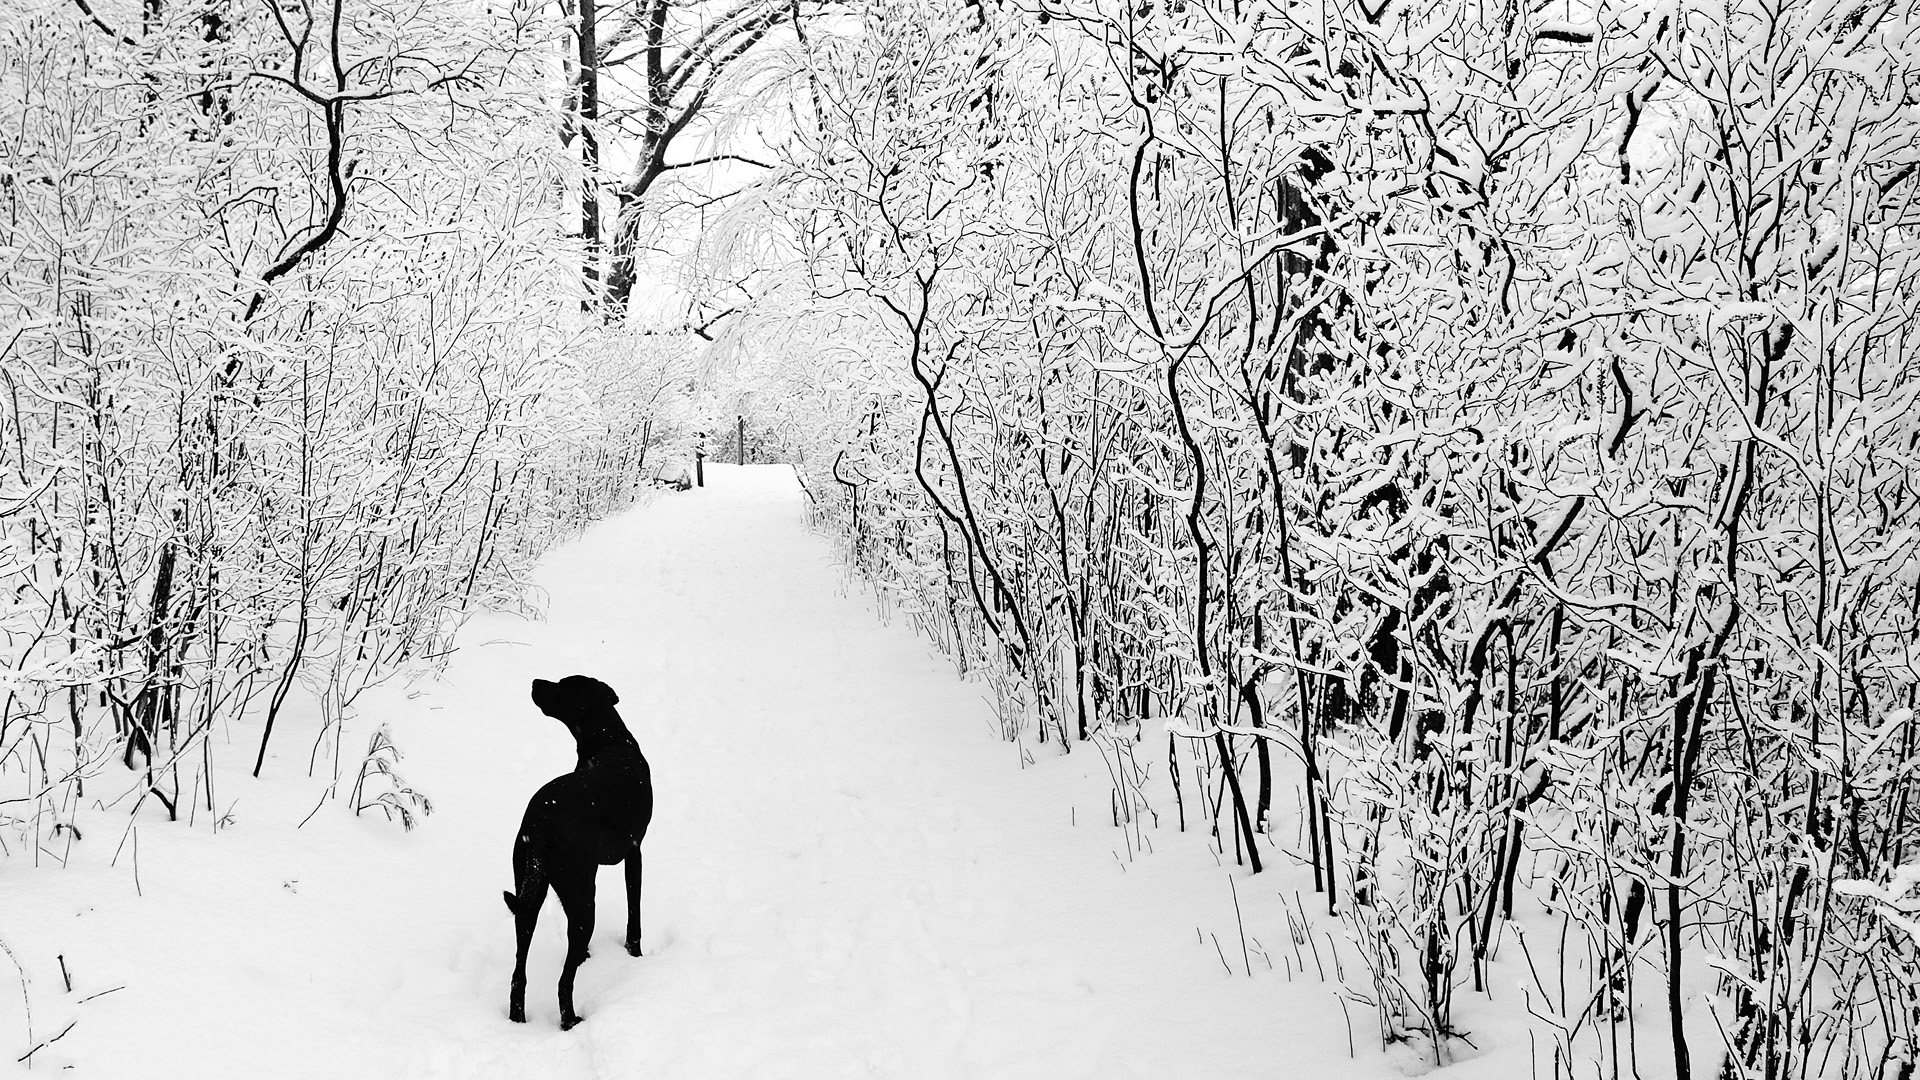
(848, 875)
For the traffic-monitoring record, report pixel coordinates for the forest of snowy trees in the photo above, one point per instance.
(1471, 447)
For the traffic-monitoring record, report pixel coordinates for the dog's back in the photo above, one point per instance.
(597, 813)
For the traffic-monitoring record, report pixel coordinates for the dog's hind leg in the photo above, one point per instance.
(525, 906)
(633, 903)
(576, 897)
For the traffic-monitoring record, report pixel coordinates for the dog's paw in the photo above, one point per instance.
(518, 1016)
(633, 947)
(567, 1023)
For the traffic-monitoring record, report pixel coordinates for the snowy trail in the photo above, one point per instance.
(847, 875)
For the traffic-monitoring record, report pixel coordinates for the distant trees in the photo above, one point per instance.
(1495, 423)
(669, 66)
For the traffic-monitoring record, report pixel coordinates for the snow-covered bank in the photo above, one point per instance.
(848, 874)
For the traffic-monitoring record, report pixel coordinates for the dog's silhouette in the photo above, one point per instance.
(594, 816)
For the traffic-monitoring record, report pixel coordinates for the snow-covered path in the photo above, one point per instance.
(848, 874)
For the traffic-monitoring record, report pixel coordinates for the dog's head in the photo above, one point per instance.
(574, 698)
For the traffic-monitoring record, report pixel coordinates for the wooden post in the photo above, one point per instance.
(741, 447)
(700, 467)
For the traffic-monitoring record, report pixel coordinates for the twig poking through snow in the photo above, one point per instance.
(49, 1042)
(1310, 944)
(25, 1001)
(1237, 921)
(1222, 953)
(1303, 930)
(1262, 950)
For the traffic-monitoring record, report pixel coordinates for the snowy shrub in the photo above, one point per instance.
(387, 790)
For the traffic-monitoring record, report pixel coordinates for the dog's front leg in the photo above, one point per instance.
(633, 903)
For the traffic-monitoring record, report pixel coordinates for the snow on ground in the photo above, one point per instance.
(848, 874)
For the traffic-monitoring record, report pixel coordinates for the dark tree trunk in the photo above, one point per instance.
(587, 109)
(678, 85)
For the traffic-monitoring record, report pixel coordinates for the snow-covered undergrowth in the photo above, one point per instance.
(1474, 444)
(849, 873)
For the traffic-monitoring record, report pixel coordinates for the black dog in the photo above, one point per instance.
(594, 816)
